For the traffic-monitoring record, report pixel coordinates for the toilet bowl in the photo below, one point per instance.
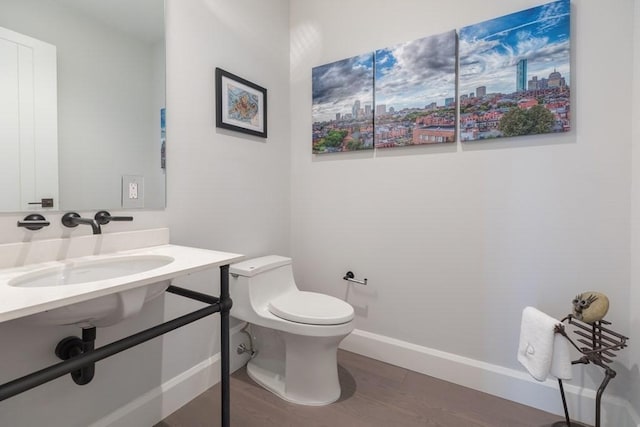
(298, 332)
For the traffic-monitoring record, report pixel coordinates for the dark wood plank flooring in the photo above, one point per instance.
(373, 394)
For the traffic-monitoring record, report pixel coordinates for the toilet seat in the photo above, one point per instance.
(311, 308)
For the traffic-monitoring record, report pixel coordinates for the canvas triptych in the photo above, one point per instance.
(512, 74)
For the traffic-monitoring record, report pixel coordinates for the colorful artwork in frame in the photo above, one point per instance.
(515, 74)
(415, 89)
(163, 138)
(342, 105)
(240, 105)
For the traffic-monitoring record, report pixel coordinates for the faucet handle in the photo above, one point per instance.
(104, 217)
(68, 219)
(34, 222)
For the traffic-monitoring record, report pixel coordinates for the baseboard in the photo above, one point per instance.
(499, 381)
(160, 402)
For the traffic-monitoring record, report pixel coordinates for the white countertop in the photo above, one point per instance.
(16, 302)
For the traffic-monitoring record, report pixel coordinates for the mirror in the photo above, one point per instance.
(110, 63)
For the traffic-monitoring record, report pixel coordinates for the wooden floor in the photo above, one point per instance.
(373, 394)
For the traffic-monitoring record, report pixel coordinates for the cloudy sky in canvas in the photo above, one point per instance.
(417, 73)
(408, 75)
(490, 51)
(336, 86)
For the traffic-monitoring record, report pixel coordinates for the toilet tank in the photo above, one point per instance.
(257, 281)
(255, 266)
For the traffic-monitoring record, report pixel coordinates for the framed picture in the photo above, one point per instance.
(240, 105)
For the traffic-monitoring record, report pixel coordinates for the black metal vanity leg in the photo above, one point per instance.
(225, 307)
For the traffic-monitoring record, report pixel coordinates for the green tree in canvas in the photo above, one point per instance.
(517, 121)
(541, 119)
(335, 138)
(514, 122)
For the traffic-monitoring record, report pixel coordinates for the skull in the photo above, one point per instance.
(590, 306)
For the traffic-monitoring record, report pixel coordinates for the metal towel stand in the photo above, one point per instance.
(600, 343)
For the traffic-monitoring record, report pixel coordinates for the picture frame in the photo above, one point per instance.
(241, 105)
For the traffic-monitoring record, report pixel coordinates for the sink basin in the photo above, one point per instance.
(103, 311)
(74, 273)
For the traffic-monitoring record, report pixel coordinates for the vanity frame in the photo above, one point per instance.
(221, 304)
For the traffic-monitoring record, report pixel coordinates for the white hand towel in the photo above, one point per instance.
(536, 347)
(561, 361)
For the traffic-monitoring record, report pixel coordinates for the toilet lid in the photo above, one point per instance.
(311, 308)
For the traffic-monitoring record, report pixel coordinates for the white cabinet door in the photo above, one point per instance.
(28, 122)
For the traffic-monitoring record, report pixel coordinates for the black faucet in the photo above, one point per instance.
(72, 219)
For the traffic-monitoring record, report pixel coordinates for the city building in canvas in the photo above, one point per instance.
(515, 74)
(342, 105)
(415, 86)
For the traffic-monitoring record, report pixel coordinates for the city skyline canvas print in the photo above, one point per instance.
(515, 74)
(415, 89)
(342, 105)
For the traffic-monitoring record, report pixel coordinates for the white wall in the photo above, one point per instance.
(455, 240)
(634, 300)
(226, 190)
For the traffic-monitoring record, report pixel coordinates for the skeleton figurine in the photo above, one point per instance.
(590, 306)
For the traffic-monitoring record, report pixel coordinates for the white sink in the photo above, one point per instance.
(98, 290)
(102, 311)
(83, 271)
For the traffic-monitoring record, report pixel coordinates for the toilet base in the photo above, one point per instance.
(308, 374)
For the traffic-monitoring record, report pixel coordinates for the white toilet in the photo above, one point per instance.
(300, 364)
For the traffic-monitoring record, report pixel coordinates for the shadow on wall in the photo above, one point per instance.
(634, 380)
(521, 141)
(357, 296)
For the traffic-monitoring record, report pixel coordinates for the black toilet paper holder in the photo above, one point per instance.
(350, 277)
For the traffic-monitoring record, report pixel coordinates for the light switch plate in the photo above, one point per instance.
(132, 191)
